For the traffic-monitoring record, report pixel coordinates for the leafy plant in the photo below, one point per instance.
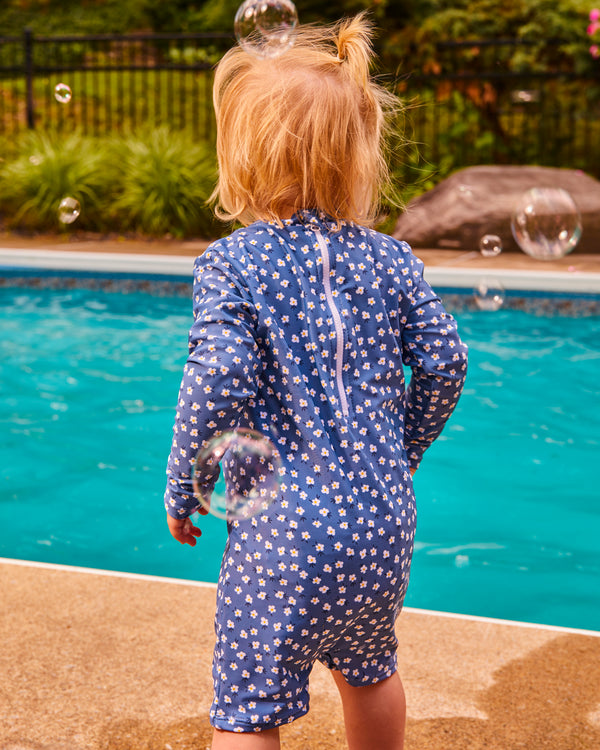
(47, 169)
(154, 184)
(164, 181)
(71, 16)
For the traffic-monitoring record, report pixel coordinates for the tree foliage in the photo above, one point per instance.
(553, 32)
(218, 15)
(54, 17)
(409, 33)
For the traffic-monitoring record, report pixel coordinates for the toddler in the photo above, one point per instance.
(302, 322)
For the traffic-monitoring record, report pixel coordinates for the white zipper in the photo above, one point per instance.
(337, 320)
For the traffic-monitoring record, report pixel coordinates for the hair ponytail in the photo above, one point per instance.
(354, 49)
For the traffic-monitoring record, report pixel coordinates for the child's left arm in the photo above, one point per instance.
(219, 377)
(438, 360)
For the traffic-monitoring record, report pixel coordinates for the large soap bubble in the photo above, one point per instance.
(266, 27)
(250, 466)
(546, 223)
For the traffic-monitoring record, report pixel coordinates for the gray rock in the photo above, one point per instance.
(480, 200)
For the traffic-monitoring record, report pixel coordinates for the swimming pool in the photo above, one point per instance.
(508, 502)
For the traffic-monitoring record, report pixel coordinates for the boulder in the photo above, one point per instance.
(480, 200)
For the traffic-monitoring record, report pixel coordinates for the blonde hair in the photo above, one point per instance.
(304, 130)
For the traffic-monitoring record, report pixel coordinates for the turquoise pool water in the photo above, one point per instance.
(508, 499)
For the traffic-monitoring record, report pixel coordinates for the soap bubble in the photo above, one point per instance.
(490, 245)
(62, 93)
(546, 223)
(266, 27)
(68, 210)
(525, 96)
(489, 295)
(250, 466)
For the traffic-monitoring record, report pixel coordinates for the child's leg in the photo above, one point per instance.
(375, 715)
(267, 740)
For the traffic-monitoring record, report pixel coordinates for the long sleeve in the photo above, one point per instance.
(437, 357)
(220, 374)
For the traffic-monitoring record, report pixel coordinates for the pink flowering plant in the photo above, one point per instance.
(592, 30)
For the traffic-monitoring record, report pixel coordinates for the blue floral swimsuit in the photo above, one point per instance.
(300, 332)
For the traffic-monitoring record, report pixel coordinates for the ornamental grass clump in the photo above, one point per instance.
(155, 184)
(43, 170)
(164, 182)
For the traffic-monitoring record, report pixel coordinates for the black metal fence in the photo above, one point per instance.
(476, 108)
(118, 82)
(472, 109)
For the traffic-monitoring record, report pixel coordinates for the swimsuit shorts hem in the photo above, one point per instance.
(246, 727)
(388, 669)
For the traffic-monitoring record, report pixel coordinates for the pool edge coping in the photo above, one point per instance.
(182, 265)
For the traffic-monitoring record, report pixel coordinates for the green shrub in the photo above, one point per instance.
(164, 180)
(71, 16)
(154, 184)
(45, 169)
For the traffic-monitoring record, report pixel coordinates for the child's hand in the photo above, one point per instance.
(183, 530)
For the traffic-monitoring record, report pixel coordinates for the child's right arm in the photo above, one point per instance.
(219, 376)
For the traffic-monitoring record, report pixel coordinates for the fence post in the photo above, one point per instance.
(28, 45)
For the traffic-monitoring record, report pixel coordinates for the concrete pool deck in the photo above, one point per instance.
(93, 660)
